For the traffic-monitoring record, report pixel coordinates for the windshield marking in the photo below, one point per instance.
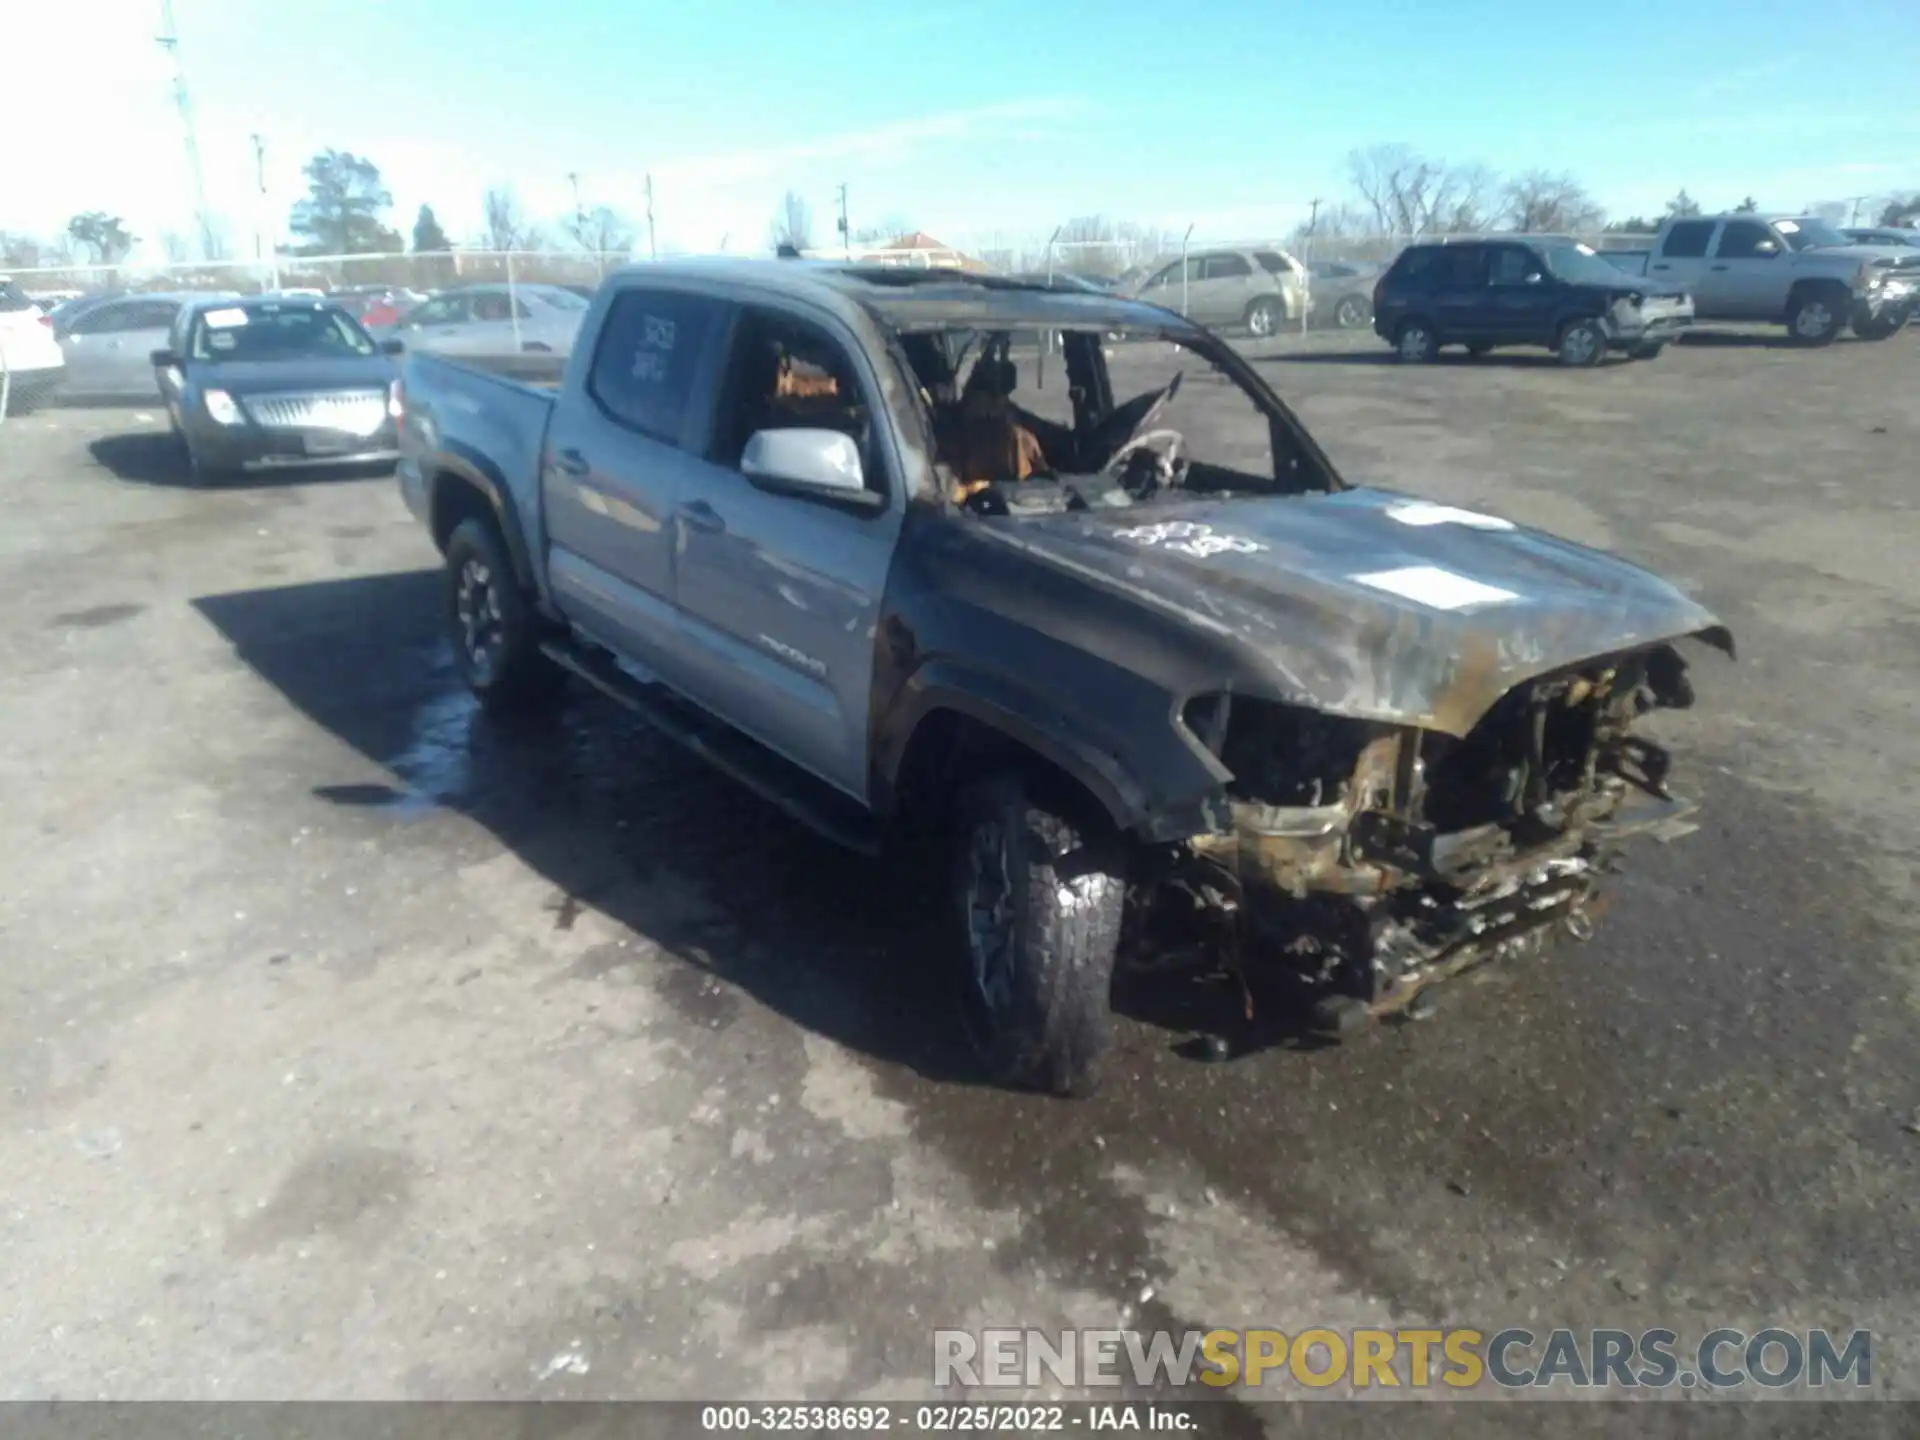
(1425, 512)
(1435, 588)
(1186, 537)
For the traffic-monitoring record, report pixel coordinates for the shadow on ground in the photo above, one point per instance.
(1630, 1102)
(155, 457)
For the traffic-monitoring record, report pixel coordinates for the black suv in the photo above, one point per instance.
(1524, 290)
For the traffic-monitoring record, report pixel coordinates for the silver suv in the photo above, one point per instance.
(1261, 290)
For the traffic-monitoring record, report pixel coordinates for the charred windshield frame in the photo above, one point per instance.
(1295, 463)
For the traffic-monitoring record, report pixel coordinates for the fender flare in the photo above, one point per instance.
(1023, 718)
(464, 466)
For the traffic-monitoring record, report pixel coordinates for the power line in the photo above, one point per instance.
(169, 41)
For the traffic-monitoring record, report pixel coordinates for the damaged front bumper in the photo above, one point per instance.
(1436, 855)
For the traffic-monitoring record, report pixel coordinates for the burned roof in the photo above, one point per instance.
(913, 297)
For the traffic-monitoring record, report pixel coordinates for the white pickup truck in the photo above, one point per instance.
(1796, 271)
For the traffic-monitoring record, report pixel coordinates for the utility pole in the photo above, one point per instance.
(266, 249)
(846, 236)
(1858, 201)
(579, 210)
(653, 251)
(169, 41)
(1313, 223)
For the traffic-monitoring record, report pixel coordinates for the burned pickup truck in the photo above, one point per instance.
(1140, 670)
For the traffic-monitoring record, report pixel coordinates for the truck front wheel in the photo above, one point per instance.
(1815, 318)
(495, 634)
(1039, 899)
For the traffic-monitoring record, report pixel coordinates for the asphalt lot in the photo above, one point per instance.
(354, 1046)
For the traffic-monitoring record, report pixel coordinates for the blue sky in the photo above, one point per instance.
(1228, 114)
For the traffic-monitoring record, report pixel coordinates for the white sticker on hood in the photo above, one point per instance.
(1187, 537)
(1425, 512)
(225, 319)
(1786, 227)
(1586, 249)
(1436, 588)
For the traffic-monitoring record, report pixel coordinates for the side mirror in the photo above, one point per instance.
(392, 347)
(810, 465)
(163, 358)
(1534, 277)
(1766, 249)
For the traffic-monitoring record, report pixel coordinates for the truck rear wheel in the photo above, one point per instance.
(494, 632)
(1039, 899)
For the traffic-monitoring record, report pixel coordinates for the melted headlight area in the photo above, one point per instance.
(1377, 858)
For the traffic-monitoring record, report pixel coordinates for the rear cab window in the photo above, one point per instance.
(1687, 240)
(651, 352)
(787, 372)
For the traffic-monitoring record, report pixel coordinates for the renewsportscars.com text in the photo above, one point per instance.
(1774, 1358)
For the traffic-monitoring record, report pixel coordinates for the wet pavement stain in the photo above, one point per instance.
(347, 1193)
(95, 618)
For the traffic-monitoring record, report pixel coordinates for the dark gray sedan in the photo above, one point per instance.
(256, 384)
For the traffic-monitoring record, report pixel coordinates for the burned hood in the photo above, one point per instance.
(1369, 603)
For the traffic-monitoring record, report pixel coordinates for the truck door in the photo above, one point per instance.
(780, 595)
(1747, 277)
(616, 461)
(1681, 256)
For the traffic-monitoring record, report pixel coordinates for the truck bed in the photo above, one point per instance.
(533, 371)
(486, 410)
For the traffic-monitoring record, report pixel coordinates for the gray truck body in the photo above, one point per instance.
(1759, 268)
(881, 651)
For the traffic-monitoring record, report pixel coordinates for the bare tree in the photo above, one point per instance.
(792, 223)
(505, 224)
(1901, 212)
(1682, 206)
(21, 252)
(884, 231)
(1091, 245)
(1538, 202)
(1409, 194)
(601, 230)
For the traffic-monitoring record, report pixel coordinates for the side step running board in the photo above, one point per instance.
(815, 805)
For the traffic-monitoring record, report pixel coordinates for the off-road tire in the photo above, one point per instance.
(491, 625)
(1352, 313)
(1054, 926)
(1807, 328)
(1415, 342)
(1582, 344)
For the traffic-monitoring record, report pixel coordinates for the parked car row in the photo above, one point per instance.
(1583, 304)
(98, 347)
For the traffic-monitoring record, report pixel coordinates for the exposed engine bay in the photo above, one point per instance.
(1372, 860)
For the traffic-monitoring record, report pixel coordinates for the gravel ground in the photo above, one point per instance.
(354, 1046)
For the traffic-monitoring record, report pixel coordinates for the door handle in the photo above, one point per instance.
(1719, 267)
(1663, 266)
(702, 516)
(571, 462)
